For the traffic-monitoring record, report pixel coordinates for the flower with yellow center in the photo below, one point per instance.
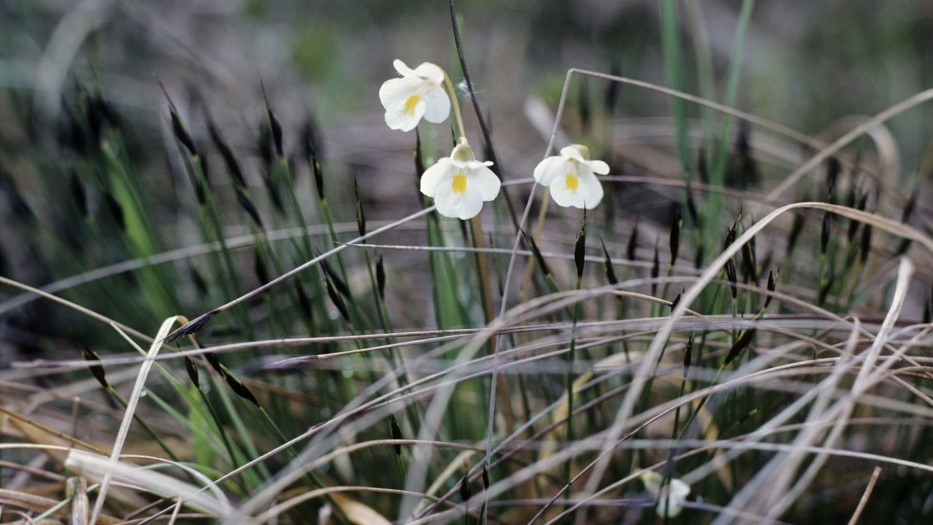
(460, 183)
(419, 93)
(571, 177)
(671, 499)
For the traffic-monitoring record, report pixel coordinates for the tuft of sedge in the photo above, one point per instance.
(95, 367)
(733, 279)
(275, 127)
(688, 355)
(360, 216)
(677, 222)
(193, 326)
(824, 233)
(740, 344)
(539, 258)
(610, 272)
(226, 153)
(772, 285)
(192, 372)
(381, 278)
(396, 433)
(655, 271)
(337, 300)
(632, 245)
(579, 250)
(181, 131)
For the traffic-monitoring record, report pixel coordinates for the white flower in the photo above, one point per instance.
(419, 93)
(460, 183)
(571, 178)
(675, 493)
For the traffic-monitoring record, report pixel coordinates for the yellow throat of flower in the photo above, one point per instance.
(459, 184)
(410, 104)
(572, 182)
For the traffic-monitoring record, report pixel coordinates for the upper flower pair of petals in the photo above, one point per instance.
(460, 184)
(418, 93)
(571, 177)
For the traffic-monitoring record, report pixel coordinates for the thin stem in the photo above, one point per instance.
(456, 104)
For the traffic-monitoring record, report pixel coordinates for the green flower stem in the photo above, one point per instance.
(456, 104)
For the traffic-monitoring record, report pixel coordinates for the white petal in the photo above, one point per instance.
(570, 152)
(564, 196)
(591, 190)
(599, 167)
(673, 503)
(394, 95)
(432, 71)
(434, 177)
(438, 105)
(550, 169)
(402, 69)
(461, 206)
(487, 182)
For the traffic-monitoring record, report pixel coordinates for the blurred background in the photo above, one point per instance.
(66, 67)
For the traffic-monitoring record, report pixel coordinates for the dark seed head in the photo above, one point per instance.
(824, 233)
(610, 272)
(539, 258)
(226, 152)
(465, 492)
(259, 266)
(741, 343)
(832, 174)
(688, 355)
(247, 204)
(632, 245)
(381, 278)
(181, 133)
(655, 271)
(192, 372)
(95, 367)
(192, 327)
(733, 279)
(772, 284)
(692, 209)
(677, 223)
(579, 252)
(337, 300)
(795, 229)
(485, 478)
(360, 216)
(274, 126)
(826, 288)
(675, 302)
(396, 433)
(239, 388)
(865, 244)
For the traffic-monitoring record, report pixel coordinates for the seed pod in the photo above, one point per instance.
(465, 492)
(95, 367)
(676, 301)
(743, 341)
(485, 478)
(676, 224)
(339, 284)
(215, 363)
(396, 433)
(610, 272)
(749, 265)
